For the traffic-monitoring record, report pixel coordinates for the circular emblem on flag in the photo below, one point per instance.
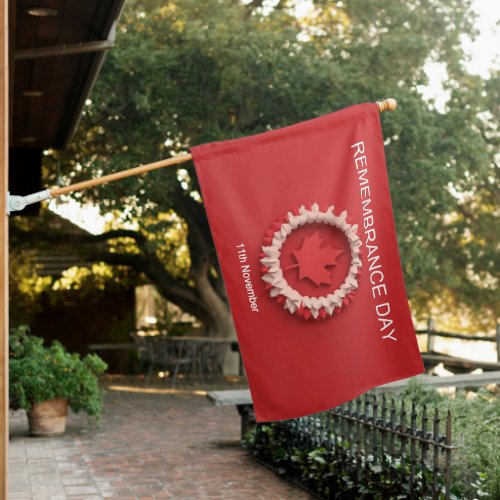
(313, 260)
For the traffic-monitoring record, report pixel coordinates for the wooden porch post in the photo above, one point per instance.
(4, 246)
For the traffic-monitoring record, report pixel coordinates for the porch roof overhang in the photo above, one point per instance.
(57, 48)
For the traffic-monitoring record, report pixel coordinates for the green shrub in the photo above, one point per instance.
(475, 434)
(329, 473)
(38, 373)
(475, 465)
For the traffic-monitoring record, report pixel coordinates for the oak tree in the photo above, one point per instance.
(186, 72)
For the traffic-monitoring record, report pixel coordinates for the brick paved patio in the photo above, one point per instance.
(150, 445)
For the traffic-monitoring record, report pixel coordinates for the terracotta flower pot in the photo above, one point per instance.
(48, 417)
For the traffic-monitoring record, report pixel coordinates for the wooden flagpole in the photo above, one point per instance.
(386, 105)
(121, 175)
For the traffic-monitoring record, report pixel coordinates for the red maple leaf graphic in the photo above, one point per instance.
(312, 260)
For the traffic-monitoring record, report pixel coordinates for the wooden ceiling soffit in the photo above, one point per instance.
(56, 57)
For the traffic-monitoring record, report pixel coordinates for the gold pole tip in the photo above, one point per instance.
(387, 105)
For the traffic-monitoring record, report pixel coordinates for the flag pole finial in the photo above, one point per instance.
(387, 105)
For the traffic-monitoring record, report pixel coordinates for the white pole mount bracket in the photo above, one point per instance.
(16, 203)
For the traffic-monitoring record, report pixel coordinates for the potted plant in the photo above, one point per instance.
(45, 380)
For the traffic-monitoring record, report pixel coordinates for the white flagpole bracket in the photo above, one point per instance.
(16, 203)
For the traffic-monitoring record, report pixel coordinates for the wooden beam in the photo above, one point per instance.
(433, 359)
(4, 248)
(63, 50)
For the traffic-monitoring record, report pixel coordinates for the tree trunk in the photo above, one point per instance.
(221, 322)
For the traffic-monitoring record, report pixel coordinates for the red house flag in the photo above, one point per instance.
(303, 226)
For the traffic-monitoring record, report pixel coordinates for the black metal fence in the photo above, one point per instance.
(401, 452)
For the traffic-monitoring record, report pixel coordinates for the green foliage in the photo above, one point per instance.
(475, 466)
(29, 291)
(188, 72)
(38, 373)
(25, 286)
(475, 434)
(333, 473)
(421, 394)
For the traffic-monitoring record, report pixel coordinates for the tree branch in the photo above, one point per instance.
(118, 233)
(135, 261)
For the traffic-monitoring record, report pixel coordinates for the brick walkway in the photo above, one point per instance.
(150, 445)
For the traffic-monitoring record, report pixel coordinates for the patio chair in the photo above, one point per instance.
(144, 352)
(158, 351)
(175, 356)
(213, 359)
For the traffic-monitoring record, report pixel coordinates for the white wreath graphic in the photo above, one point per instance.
(309, 307)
